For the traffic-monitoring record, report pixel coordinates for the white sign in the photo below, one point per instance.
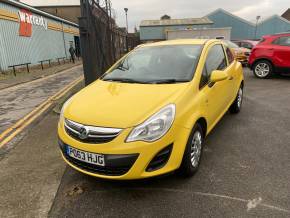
(27, 17)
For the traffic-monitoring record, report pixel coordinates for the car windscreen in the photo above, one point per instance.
(231, 44)
(157, 64)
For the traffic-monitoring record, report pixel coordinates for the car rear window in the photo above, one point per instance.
(262, 40)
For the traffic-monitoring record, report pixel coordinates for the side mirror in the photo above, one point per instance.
(217, 76)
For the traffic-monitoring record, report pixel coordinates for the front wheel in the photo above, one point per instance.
(263, 69)
(192, 154)
(237, 104)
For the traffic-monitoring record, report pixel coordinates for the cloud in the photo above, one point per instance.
(257, 9)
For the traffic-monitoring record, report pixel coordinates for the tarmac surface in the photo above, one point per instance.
(19, 100)
(245, 171)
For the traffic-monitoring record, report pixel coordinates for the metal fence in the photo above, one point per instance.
(102, 42)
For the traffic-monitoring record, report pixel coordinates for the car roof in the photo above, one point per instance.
(181, 42)
(277, 35)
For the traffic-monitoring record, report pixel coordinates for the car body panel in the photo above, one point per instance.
(123, 98)
(124, 105)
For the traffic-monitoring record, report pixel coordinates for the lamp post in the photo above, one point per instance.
(126, 12)
(257, 20)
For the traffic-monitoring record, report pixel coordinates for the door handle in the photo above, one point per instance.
(231, 78)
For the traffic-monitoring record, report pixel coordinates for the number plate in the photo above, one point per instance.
(91, 158)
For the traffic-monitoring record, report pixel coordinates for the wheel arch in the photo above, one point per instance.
(263, 59)
(203, 123)
(243, 83)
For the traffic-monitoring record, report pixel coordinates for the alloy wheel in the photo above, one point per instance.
(240, 98)
(196, 148)
(262, 70)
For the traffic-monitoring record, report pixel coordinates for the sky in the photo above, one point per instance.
(153, 9)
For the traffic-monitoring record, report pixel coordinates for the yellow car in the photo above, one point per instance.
(150, 112)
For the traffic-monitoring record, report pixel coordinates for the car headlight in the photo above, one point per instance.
(155, 127)
(61, 116)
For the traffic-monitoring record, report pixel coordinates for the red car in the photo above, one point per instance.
(271, 55)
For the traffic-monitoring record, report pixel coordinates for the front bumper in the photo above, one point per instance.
(130, 160)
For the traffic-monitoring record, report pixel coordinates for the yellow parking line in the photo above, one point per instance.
(9, 134)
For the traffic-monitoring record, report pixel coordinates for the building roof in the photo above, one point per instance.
(286, 14)
(231, 15)
(32, 9)
(57, 6)
(176, 22)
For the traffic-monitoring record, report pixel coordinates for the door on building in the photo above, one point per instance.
(77, 46)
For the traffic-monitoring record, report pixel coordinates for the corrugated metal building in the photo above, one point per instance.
(243, 29)
(155, 30)
(240, 28)
(28, 35)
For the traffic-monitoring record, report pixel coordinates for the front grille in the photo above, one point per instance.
(108, 171)
(160, 159)
(90, 134)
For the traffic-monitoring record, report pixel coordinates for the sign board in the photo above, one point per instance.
(28, 20)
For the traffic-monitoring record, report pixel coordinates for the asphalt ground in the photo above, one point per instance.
(19, 100)
(245, 171)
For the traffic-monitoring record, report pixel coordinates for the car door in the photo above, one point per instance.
(281, 52)
(216, 97)
(233, 77)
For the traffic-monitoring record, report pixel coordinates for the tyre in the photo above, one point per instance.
(237, 104)
(263, 69)
(192, 154)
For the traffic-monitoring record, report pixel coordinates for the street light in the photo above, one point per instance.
(257, 20)
(126, 12)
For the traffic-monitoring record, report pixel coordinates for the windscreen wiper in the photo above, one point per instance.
(167, 81)
(123, 80)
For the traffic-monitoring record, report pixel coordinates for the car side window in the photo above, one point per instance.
(246, 45)
(216, 60)
(283, 41)
(230, 55)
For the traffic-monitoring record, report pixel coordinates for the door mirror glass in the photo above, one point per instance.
(217, 76)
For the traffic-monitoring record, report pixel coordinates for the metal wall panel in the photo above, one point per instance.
(210, 33)
(159, 32)
(240, 29)
(42, 45)
(273, 25)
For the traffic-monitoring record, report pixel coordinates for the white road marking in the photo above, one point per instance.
(250, 203)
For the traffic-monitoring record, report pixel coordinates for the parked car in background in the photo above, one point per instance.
(241, 54)
(249, 44)
(271, 55)
(150, 113)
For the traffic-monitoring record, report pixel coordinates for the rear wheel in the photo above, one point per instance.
(192, 154)
(263, 69)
